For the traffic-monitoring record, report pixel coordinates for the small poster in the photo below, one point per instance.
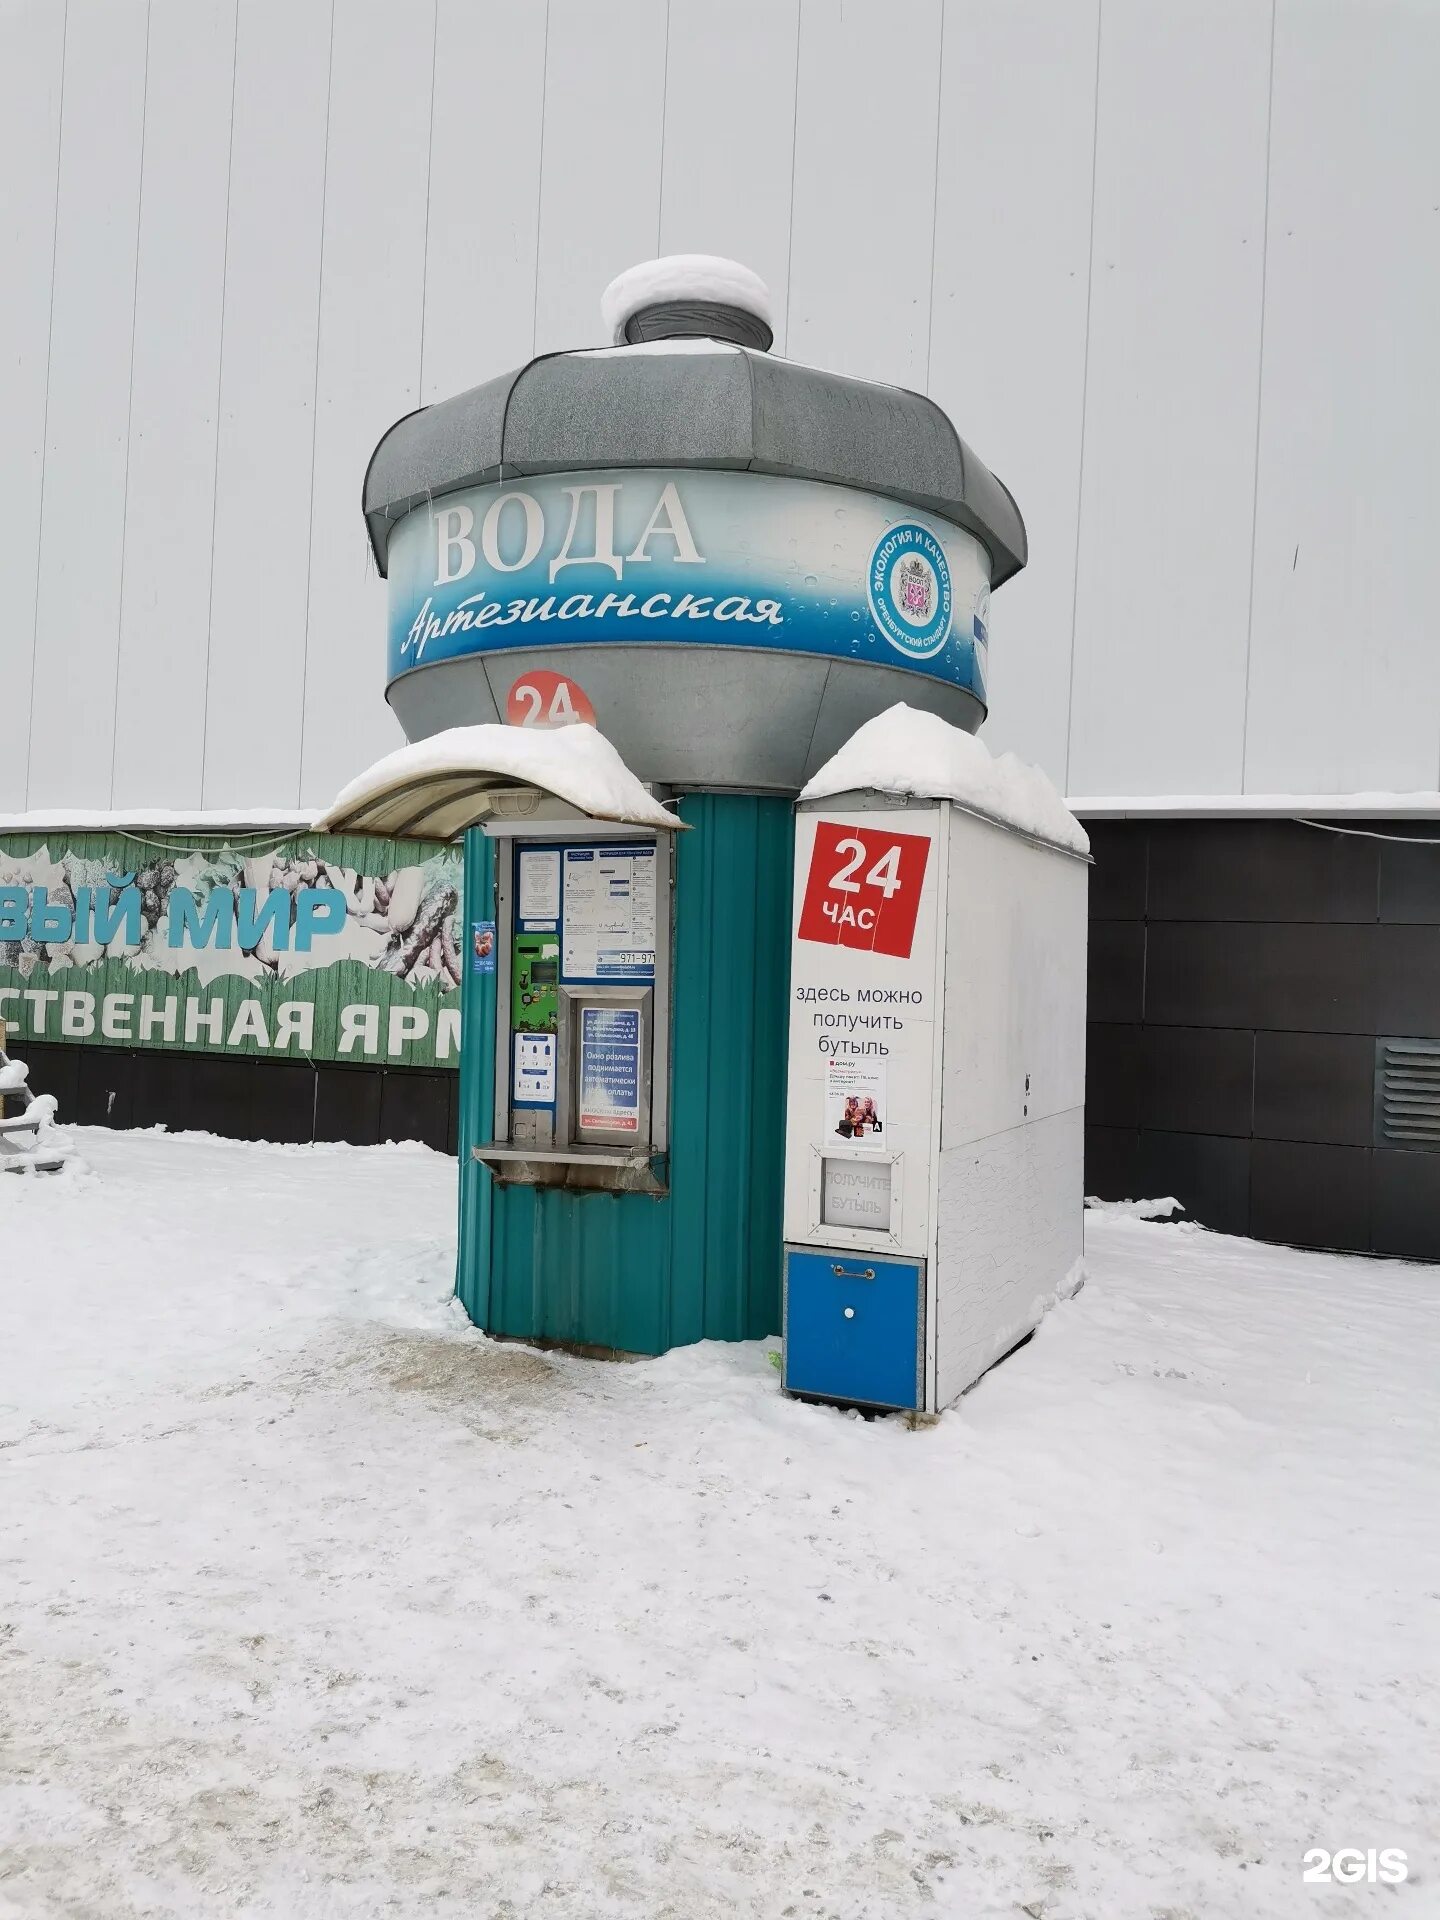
(610, 1068)
(534, 1069)
(482, 946)
(855, 1104)
(539, 885)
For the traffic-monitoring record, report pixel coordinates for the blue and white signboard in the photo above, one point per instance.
(610, 1069)
(685, 557)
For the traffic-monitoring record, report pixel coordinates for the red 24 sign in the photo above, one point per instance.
(863, 889)
(545, 699)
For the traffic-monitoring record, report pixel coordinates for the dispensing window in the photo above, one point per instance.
(856, 1193)
(586, 927)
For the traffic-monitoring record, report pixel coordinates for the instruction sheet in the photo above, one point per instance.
(539, 888)
(609, 913)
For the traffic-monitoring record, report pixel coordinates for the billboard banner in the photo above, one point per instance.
(689, 557)
(318, 947)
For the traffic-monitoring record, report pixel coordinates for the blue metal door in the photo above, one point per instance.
(853, 1328)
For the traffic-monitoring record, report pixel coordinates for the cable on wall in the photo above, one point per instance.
(1366, 833)
(248, 845)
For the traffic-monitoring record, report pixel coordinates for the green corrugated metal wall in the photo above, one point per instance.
(629, 1271)
(477, 1084)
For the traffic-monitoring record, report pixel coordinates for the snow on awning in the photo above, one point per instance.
(902, 751)
(438, 787)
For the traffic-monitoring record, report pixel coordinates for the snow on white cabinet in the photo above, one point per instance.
(934, 1139)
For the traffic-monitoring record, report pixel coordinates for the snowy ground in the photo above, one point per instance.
(313, 1602)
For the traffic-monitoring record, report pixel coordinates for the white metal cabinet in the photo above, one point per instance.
(936, 1088)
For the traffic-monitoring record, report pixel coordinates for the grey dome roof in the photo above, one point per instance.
(692, 404)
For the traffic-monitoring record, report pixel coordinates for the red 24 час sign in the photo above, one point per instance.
(863, 889)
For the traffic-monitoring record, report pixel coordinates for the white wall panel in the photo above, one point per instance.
(730, 135)
(372, 306)
(260, 573)
(484, 193)
(1345, 648)
(88, 418)
(32, 56)
(159, 744)
(600, 185)
(470, 173)
(1170, 418)
(864, 205)
(1007, 359)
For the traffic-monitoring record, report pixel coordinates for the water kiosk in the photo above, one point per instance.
(934, 1192)
(726, 563)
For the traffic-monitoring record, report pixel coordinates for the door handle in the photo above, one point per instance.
(840, 1273)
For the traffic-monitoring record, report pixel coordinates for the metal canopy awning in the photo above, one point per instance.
(467, 776)
(432, 807)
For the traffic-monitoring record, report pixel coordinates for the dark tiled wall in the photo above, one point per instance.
(1240, 972)
(245, 1098)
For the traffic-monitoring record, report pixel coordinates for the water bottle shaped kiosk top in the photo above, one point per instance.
(934, 1139)
(726, 560)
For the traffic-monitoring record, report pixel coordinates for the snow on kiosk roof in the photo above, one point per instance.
(703, 293)
(920, 755)
(438, 787)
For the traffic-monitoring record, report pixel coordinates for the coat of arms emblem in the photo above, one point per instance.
(917, 588)
(909, 589)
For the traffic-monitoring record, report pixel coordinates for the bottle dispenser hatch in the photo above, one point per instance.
(854, 1327)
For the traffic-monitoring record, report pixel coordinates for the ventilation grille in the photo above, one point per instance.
(1407, 1093)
